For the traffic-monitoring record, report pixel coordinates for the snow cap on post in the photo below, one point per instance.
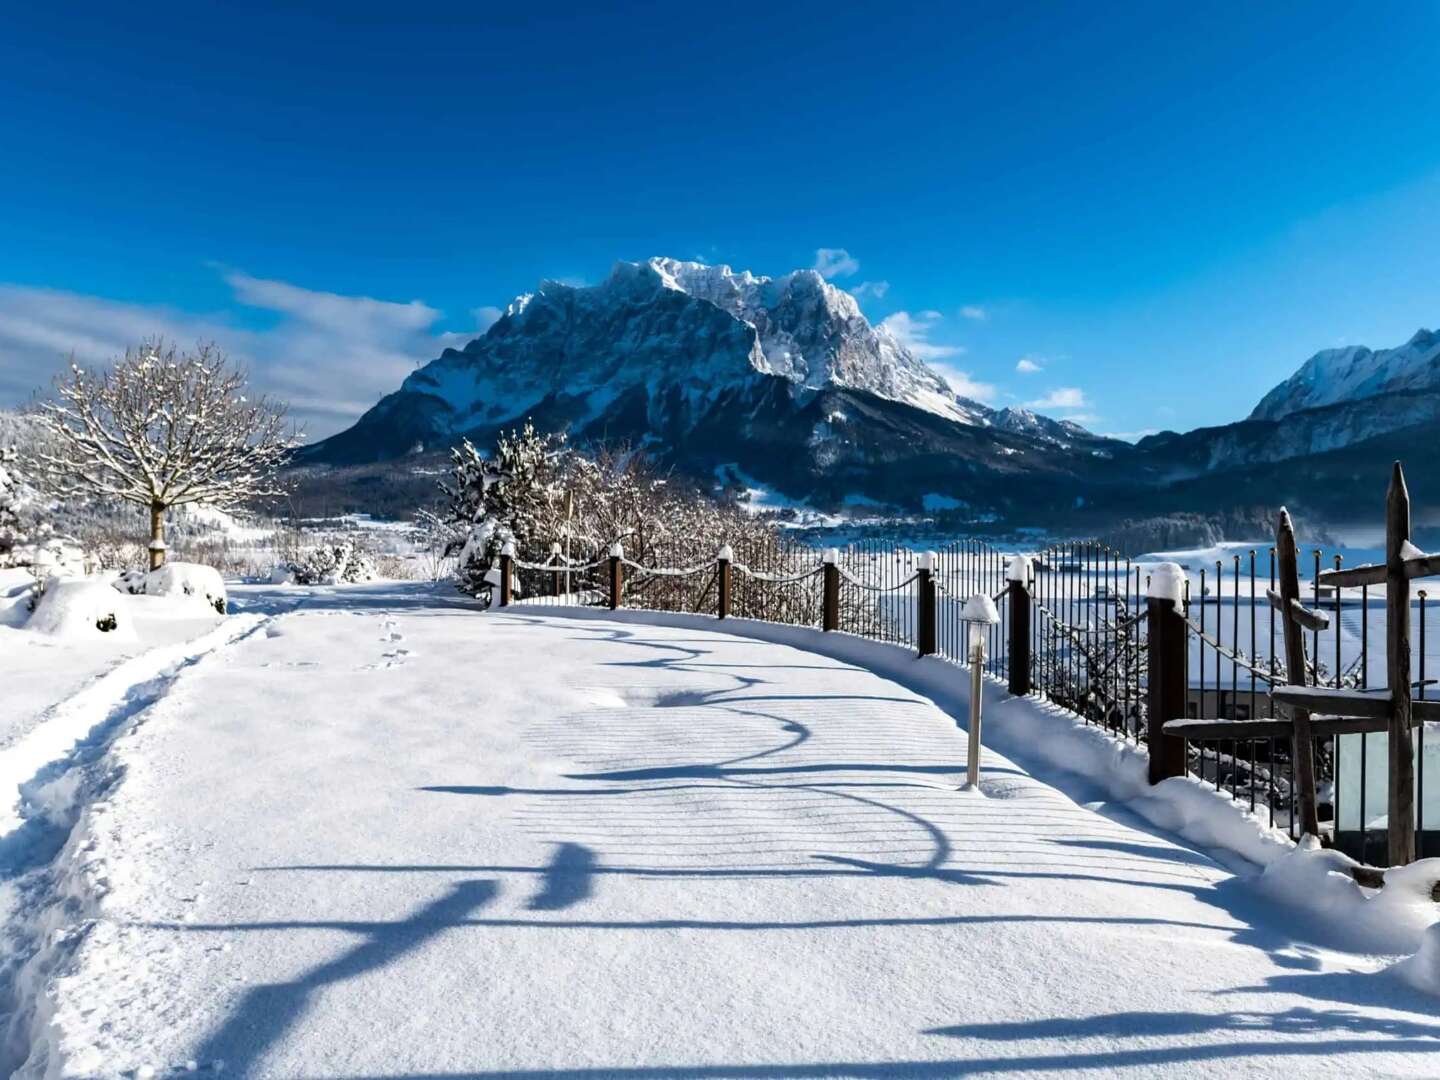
(492, 577)
(927, 560)
(617, 550)
(980, 609)
(1020, 569)
(554, 547)
(157, 545)
(508, 549)
(1167, 582)
(831, 556)
(726, 554)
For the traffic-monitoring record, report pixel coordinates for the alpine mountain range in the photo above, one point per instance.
(735, 379)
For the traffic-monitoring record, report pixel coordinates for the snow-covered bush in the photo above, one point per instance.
(540, 494)
(81, 608)
(343, 561)
(202, 583)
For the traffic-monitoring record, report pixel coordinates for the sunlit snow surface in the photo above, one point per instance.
(383, 834)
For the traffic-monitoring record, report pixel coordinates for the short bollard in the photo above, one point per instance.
(617, 574)
(724, 561)
(507, 573)
(980, 613)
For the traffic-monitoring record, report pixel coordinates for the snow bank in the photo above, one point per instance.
(1422, 970)
(81, 608)
(202, 583)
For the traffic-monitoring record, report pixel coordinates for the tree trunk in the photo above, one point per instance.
(157, 535)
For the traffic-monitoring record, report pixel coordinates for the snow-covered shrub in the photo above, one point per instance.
(202, 583)
(343, 561)
(81, 608)
(540, 494)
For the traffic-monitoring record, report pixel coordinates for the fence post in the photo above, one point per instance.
(1166, 675)
(925, 601)
(507, 571)
(830, 616)
(1019, 644)
(555, 574)
(725, 558)
(617, 574)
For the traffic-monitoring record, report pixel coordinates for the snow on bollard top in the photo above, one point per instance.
(980, 609)
(555, 547)
(1167, 582)
(508, 549)
(1019, 570)
(617, 550)
(831, 556)
(927, 560)
(726, 554)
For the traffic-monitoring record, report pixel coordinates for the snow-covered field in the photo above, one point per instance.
(372, 831)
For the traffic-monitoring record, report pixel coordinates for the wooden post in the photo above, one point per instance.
(926, 607)
(830, 615)
(1019, 644)
(1296, 668)
(1167, 658)
(617, 575)
(725, 558)
(555, 573)
(1397, 665)
(507, 571)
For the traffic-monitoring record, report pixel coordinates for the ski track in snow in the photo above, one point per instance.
(558, 848)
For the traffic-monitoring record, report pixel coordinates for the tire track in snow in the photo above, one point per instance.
(47, 779)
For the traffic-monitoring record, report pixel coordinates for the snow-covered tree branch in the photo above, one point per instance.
(161, 428)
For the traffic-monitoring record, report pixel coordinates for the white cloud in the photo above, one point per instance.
(835, 262)
(965, 386)
(974, 311)
(1064, 397)
(874, 289)
(913, 331)
(329, 356)
(1029, 365)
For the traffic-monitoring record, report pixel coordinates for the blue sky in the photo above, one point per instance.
(1163, 210)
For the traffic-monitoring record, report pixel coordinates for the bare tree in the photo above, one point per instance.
(161, 428)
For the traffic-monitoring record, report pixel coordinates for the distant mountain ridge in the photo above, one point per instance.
(1335, 376)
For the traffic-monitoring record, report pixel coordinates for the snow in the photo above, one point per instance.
(439, 842)
(1021, 569)
(980, 609)
(81, 608)
(1353, 373)
(198, 584)
(1167, 582)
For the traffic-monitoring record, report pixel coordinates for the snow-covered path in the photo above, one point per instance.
(390, 836)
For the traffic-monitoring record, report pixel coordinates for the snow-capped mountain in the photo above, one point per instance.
(1351, 374)
(1368, 406)
(782, 378)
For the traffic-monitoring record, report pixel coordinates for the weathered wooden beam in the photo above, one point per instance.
(1306, 617)
(1401, 826)
(1229, 729)
(1425, 712)
(1302, 743)
(1333, 702)
(1323, 727)
(1417, 566)
(1369, 574)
